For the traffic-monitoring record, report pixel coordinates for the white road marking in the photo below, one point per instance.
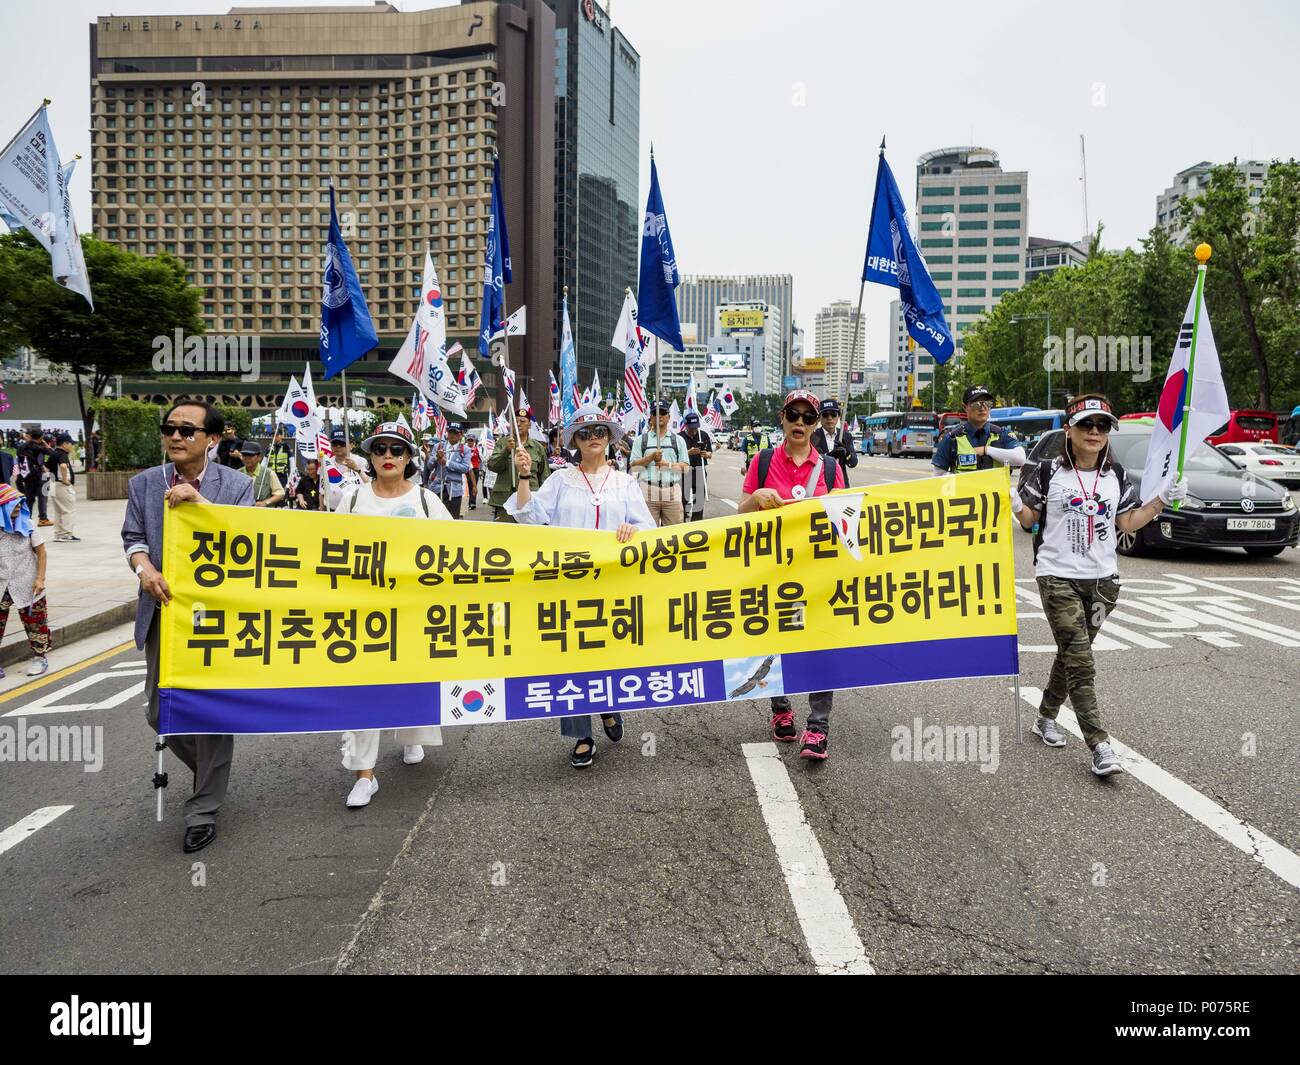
(133, 664)
(30, 825)
(730, 502)
(1264, 849)
(823, 916)
(1240, 593)
(49, 703)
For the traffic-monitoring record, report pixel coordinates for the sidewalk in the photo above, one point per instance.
(89, 586)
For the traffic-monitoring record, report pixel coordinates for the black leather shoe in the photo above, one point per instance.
(613, 731)
(198, 837)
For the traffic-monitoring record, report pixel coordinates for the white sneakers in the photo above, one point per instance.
(39, 666)
(412, 753)
(362, 792)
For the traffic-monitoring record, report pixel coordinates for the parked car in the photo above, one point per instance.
(1274, 461)
(1226, 506)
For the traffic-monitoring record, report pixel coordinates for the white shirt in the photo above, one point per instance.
(566, 499)
(354, 473)
(1077, 520)
(403, 506)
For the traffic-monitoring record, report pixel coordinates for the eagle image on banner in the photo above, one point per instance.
(422, 359)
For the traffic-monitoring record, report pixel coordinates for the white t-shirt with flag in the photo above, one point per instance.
(1077, 515)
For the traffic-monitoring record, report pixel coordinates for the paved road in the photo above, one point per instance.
(695, 845)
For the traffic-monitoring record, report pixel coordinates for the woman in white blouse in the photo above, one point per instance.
(391, 492)
(590, 495)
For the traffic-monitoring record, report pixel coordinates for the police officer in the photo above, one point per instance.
(976, 443)
(832, 438)
(753, 442)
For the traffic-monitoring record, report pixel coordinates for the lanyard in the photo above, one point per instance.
(597, 497)
(1088, 498)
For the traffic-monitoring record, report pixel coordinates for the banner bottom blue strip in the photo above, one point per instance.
(184, 711)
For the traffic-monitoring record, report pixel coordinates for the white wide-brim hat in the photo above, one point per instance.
(591, 415)
(398, 431)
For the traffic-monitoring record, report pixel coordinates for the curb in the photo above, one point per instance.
(75, 627)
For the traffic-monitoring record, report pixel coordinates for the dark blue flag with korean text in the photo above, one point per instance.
(493, 314)
(893, 259)
(656, 303)
(346, 331)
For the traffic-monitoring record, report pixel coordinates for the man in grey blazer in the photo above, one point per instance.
(186, 477)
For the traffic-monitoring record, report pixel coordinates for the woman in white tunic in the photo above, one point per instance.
(590, 495)
(389, 493)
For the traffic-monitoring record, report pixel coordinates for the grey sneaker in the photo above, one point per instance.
(1046, 728)
(1104, 761)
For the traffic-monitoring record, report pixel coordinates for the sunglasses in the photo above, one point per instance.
(808, 417)
(396, 450)
(596, 432)
(1089, 425)
(187, 431)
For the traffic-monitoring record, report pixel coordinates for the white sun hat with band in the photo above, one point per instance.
(591, 415)
(398, 430)
(1089, 406)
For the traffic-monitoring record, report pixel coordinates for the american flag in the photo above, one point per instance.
(714, 415)
(440, 425)
(555, 400)
(323, 447)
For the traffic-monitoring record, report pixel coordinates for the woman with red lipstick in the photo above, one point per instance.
(392, 493)
(588, 495)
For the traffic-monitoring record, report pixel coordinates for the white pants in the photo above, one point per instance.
(361, 749)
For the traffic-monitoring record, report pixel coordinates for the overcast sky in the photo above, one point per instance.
(766, 116)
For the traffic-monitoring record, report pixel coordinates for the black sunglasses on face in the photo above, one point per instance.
(1089, 425)
(598, 432)
(187, 431)
(396, 450)
(808, 417)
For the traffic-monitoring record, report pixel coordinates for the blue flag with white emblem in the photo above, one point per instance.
(894, 260)
(346, 331)
(504, 233)
(493, 313)
(656, 303)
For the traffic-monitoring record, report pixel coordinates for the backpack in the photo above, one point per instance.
(1041, 478)
(829, 466)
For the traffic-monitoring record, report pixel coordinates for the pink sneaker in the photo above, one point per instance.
(814, 745)
(783, 730)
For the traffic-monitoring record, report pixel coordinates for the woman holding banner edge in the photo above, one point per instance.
(1074, 504)
(590, 495)
(390, 492)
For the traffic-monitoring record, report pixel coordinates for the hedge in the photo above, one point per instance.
(129, 431)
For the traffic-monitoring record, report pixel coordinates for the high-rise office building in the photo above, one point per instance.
(918, 362)
(1044, 256)
(833, 339)
(215, 136)
(597, 161)
(1190, 183)
(973, 225)
(698, 297)
(752, 330)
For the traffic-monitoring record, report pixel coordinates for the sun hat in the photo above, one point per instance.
(587, 416)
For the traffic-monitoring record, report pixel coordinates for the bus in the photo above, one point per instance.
(898, 434)
(1029, 427)
(1242, 426)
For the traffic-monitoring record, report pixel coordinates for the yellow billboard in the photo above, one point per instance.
(728, 320)
(813, 364)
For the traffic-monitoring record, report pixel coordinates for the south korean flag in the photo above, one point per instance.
(473, 702)
(844, 512)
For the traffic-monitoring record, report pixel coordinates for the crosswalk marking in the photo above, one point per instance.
(30, 825)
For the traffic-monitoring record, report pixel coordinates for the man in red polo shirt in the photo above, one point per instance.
(793, 472)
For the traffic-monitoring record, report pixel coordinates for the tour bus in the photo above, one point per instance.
(898, 434)
(1243, 426)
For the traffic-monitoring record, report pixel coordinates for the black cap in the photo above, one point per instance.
(251, 447)
(662, 407)
(975, 392)
(63, 438)
(455, 427)
(690, 418)
(830, 406)
(753, 423)
(338, 437)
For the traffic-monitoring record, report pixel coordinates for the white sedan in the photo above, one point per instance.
(1265, 459)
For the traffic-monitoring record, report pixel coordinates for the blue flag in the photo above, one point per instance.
(504, 237)
(346, 331)
(656, 303)
(893, 260)
(493, 314)
(568, 367)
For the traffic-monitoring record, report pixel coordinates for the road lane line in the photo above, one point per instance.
(730, 502)
(1236, 591)
(1264, 849)
(30, 825)
(823, 916)
(50, 678)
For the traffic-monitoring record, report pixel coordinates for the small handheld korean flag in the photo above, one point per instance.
(844, 512)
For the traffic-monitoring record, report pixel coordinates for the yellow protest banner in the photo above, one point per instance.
(284, 621)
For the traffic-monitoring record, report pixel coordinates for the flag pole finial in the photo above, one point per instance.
(1203, 253)
(882, 145)
(566, 291)
(46, 102)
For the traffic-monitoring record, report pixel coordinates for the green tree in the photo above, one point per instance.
(137, 298)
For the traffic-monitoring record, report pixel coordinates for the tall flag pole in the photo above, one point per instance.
(1193, 402)
(568, 364)
(346, 330)
(656, 301)
(893, 259)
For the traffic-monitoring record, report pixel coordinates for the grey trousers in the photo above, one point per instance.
(207, 757)
(819, 710)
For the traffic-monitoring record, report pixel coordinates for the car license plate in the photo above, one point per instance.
(1255, 524)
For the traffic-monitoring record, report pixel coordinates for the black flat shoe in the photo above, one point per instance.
(198, 837)
(615, 731)
(582, 759)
